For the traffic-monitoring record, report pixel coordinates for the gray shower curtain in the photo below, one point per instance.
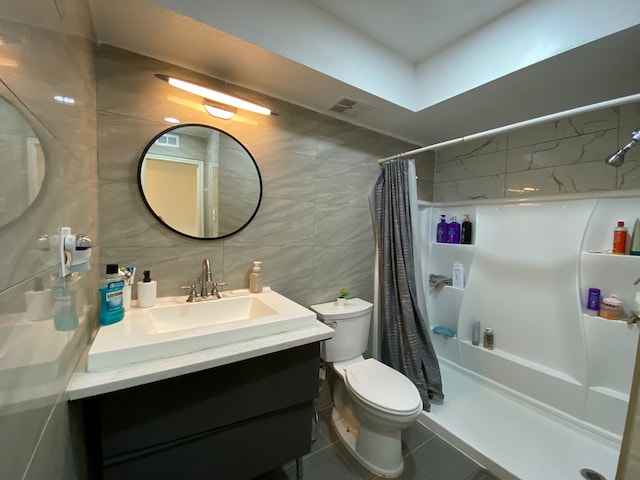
(406, 345)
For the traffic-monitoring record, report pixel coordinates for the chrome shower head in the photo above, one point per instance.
(617, 158)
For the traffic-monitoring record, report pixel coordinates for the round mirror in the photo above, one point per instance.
(21, 164)
(199, 181)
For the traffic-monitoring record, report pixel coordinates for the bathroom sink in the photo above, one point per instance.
(175, 327)
(184, 316)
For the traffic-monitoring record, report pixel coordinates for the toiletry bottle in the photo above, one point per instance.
(611, 307)
(457, 278)
(488, 339)
(441, 230)
(620, 239)
(255, 278)
(475, 334)
(147, 290)
(453, 231)
(111, 285)
(466, 230)
(593, 300)
(38, 301)
(634, 246)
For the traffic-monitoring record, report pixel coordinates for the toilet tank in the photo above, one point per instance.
(352, 323)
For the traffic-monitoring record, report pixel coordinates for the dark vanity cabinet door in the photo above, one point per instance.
(231, 422)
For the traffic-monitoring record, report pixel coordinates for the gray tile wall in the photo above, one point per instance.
(313, 229)
(46, 50)
(554, 158)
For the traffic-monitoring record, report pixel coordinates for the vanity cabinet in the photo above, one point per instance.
(235, 421)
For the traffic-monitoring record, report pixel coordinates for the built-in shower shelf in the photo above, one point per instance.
(621, 324)
(631, 258)
(453, 288)
(523, 362)
(451, 245)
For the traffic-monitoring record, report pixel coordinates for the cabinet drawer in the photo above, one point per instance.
(242, 451)
(157, 413)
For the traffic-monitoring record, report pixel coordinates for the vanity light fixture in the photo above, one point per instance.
(219, 110)
(214, 95)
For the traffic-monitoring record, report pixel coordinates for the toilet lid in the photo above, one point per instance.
(383, 387)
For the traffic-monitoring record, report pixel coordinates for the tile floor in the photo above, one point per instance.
(426, 457)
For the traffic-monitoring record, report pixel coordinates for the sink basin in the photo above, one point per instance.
(173, 318)
(174, 327)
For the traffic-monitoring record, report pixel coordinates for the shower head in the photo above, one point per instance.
(617, 158)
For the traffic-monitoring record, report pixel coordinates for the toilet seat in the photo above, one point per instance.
(383, 387)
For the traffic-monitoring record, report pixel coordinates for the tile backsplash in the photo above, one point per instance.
(553, 158)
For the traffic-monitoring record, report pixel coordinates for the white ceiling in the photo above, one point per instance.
(421, 70)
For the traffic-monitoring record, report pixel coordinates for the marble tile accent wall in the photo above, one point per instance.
(313, 228)
(553, 158)
(46, 50)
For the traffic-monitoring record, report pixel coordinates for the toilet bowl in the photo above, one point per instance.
(372, 402)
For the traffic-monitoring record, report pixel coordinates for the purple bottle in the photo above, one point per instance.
(453, 231)
(441, 230)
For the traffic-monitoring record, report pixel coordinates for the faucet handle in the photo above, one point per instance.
(214, 291)
(193, 293)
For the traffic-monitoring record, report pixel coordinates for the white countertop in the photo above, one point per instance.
(85, 384)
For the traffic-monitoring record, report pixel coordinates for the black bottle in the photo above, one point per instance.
(466, 230)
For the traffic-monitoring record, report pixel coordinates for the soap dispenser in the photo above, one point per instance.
(255, 278)
(147, 290)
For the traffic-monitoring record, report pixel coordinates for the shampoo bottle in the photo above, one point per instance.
(466, 230)
(441, 230)
(453, 231)
(147, 290)
(255, 278)
(620, 239)
(111, 285)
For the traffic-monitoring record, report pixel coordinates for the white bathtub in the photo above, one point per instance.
(512, 437)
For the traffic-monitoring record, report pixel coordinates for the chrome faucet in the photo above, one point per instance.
(205, 279)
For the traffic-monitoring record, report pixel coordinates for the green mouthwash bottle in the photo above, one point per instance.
(111, 296)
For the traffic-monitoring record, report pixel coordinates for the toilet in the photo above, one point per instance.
(372, 402)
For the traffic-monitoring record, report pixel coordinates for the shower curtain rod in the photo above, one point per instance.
(513, 126)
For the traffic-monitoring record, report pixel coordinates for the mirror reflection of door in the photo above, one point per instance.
(173, 186)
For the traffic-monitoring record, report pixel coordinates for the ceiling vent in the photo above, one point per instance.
(348, 107)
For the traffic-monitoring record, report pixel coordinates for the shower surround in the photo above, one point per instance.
(559, 377)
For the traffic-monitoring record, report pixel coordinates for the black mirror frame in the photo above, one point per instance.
(155, 215)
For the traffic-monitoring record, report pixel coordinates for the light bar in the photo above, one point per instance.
(214, 95)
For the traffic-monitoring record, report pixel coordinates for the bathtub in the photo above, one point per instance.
(551, 398)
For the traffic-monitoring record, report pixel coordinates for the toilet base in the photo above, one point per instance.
(365, 445)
